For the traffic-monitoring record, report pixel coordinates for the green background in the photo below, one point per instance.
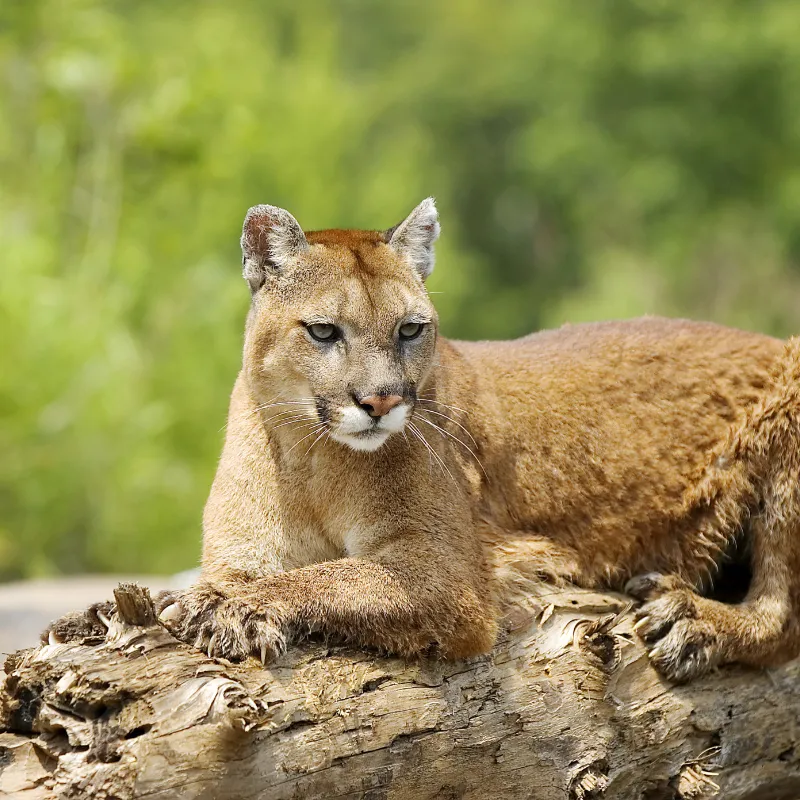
(591, 159)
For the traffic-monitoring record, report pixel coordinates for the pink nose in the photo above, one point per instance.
(377, 405)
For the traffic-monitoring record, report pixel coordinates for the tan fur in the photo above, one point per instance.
(591, 453)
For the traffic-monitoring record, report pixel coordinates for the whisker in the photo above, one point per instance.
(300, 410)
(423, 399)
(307, 436)
(269, 404)
(434, 453)
(410, 425)
(314, 442)
(282, 403)
(439, 414)
(455, 438)
(292, 405)
(295, 422)
(291, 412)
(327, 437)
(249, 413)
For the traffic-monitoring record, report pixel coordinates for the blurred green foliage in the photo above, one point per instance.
(591, 159)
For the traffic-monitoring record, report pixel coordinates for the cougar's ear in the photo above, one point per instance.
(271, 237)
(413, 238)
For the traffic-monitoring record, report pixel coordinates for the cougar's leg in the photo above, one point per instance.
(758, 476)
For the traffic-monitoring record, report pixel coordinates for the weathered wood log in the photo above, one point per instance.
(567, 706)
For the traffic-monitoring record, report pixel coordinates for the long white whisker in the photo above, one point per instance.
(327, 436)
(424, 399)
(295, 422)
(455, 422)
(302, 409)
(273, 405)
(281, 413)
(314, 442)
(307, 436)
(270, 404)
(435, 454)
(252, 411)
(294, 411)
(413, 429)
(261, 406)
(297, 400)
(455, 438)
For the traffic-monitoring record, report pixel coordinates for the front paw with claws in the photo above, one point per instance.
(682, 645)
(87, 627)
(221, 626)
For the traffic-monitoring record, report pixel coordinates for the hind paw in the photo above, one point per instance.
(653, 584)
(688, 650)
(681, 644)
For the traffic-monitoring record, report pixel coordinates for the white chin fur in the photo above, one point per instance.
(356, 429)
(395, 420)
(365, 443)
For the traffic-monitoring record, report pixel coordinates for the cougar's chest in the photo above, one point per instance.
(304, 535)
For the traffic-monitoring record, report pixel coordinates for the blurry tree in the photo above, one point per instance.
(591, 158)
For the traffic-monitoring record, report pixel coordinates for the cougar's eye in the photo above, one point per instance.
(323, 331)
(410, 330)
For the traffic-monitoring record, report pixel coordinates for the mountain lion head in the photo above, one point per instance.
(341, 332)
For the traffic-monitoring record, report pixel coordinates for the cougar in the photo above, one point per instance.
(388, 487)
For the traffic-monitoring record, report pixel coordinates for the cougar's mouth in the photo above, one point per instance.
(364, 440)
(360, 431)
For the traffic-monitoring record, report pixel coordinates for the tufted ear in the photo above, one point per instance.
(413, 238)
(271, 237)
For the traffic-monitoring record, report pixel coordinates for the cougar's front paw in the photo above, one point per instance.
(681, 644)
(221, 626)
(89, 626)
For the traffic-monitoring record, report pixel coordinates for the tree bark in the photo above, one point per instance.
(567, 706)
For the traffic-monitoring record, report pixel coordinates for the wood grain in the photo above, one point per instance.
(567, 706)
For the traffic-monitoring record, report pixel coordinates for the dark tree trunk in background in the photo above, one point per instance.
(566, 707)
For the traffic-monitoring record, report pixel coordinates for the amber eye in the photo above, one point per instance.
(323, 331)
(410, 330)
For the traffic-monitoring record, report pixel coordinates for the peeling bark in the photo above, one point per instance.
(567, 706)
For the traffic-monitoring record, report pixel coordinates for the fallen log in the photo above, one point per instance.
(566, 706)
